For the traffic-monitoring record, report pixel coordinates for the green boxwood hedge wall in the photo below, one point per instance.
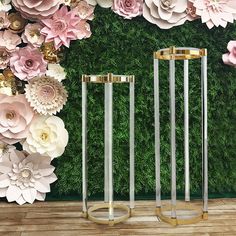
(126, 47)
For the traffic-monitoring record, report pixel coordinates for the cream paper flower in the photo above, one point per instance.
(101, 3)
(46, 95)
(25, 178)
(165, 13)
(47, 136)
(56, 71)
(5, 5)
(5, 150)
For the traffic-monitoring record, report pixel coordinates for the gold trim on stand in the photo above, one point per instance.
(174, 53)
(107, 221)
(199, 214)
(109, 78)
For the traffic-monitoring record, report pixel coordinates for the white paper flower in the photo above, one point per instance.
(47, 136)
(5, 5)
(101, 3)
(5, 150)
(165, 13)
(25, 178)
(56, 71)
(46, 95)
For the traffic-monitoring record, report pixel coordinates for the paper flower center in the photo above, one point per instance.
(166, 3)
(10, 115)
(26, 174)
(214, 5)
(46, 93)
(29, 63)
(44, 136)
(59, 26)
(128, 3)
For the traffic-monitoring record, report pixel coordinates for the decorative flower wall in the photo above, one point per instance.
(32, 34)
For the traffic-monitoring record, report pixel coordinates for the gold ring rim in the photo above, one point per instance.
(107, 206)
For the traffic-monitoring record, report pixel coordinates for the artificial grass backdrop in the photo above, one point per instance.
(126, 47)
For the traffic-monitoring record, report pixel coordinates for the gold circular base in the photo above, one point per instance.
(185, 214)
(105, 221)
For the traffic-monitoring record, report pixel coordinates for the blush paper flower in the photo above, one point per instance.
(9, 41)
(165, 13)
(4, 22)
(84, 10)
(36, 9)
(5, 5)
(83, 30)
(27, 63)
(32, 35)
(230, 58)
(25, 178)
(46, 95)
(215, 12)
(47, 136)
(128, 8)
(15, 118)
(61, 28)
(56, 71)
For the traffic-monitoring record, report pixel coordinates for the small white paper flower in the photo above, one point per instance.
(47, 136)
(101, 3)
(5, 5)
(56, 71)
(25, 178)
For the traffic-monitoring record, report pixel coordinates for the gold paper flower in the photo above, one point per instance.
(46, 95)
(17, 22)
(50, 53)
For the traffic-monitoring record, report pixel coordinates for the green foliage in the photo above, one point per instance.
(126, 47)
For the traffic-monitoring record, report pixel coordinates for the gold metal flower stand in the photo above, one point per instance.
(108, 205)
(175, 213)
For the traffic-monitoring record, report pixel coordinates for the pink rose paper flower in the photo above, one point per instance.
(165, 13)
(32, 35)
(46, 95)
(4, 22)
(36, 9)
(15, 118)
(61, 28)
(230, 58)
(4, 58)
(9, 41)
(47, 136)
(27, 63)
(128, 8)
(215, 12)
(84, 10)
(25, 178)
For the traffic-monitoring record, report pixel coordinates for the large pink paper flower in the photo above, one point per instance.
(230, 58)
(25, 178)
(215, 12)
(32, 35)
(128, 8)
(61, 28)
(15, 118)
(4, 58)
(36, 9)
(9, 41)
(27, 63)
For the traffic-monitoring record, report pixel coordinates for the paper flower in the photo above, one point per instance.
(47, 136)
(27, 63)
(46, 95)
(37, 9)
(128, 8)
(230, 58)
(9, 41)
(4, 58)
(15, 118)
(101, 3)
(4, 22)
(25, 178)
(17, 22)
(5, 150)
(84, 10)
(5, 5)
(165, 13)
(56, 71)
(83, 30)
(32, 35)
(61, 28)
(215, 12)
(191, 10)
